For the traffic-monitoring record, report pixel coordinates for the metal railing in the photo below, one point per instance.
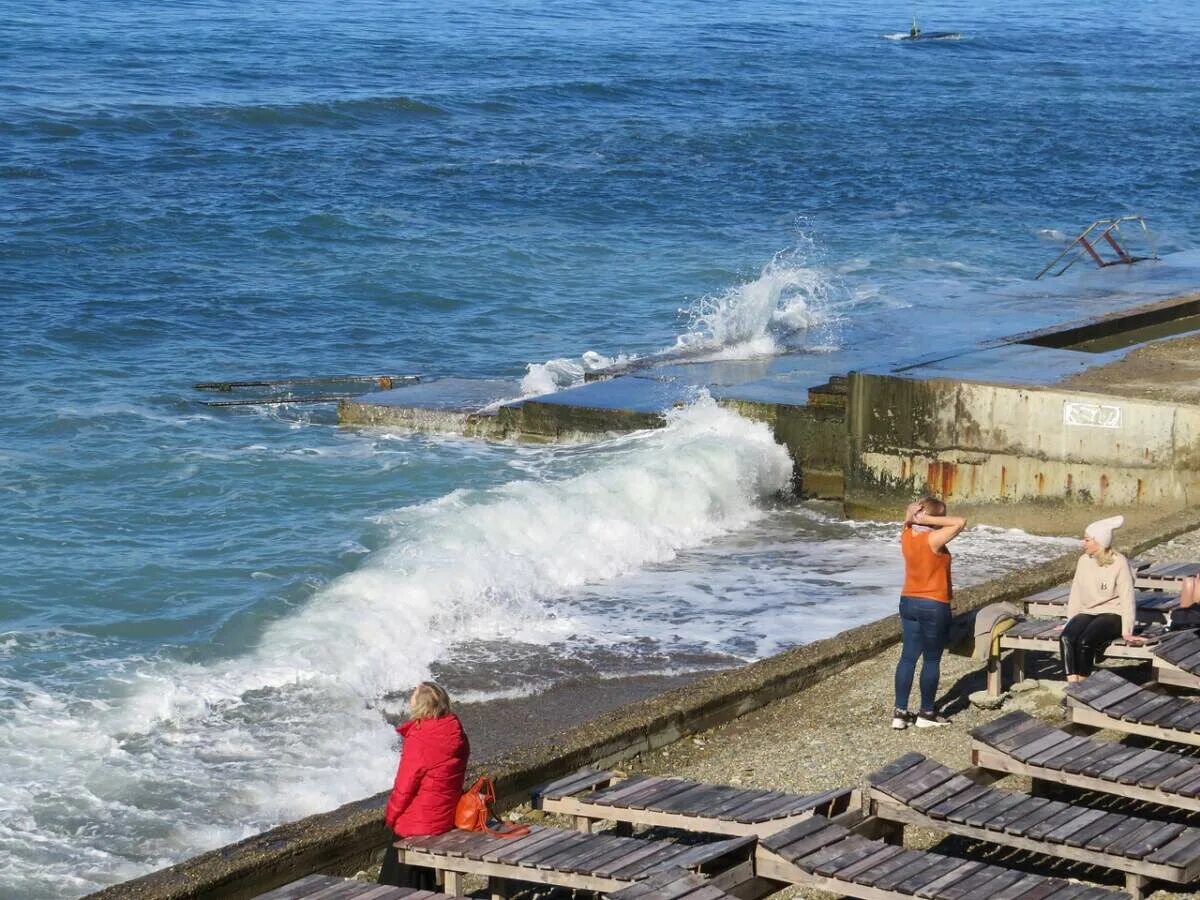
(1088, 241)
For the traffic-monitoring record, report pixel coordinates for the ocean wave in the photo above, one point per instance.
(176, 757)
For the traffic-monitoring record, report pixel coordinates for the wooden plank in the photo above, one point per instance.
(941, 866)
(1020, 738)
(1023, 810)
(896, 767)
(1117, 693)
(1120, 771)
(974, 885)
(951, 805)
(778, 841)
(636, 860)
(1168, 767)
(1062, 749)
(1080, 819)
(913, 782)
(1101, 751)
(599, 856)
(854, 854)
(615, 795)
(686, 801)
(737, 800)
(934, 890)
(1005, 802)
(1034, 817)
(1183, 850)
(816, 841)
(1145, 839)
(999, 726)
(1065, 816)
(571, 784)
(893, 864)
(920, 871)
(1096, 685)
(512, 843)
(549, 856)
(513, 852)
(942, 792)
(657, 793)
(881, 855)
(1024, 888)
(978, 809)
(1105, 824)
(828, 852)
(528, 855)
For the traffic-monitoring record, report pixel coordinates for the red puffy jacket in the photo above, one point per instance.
(429, 781)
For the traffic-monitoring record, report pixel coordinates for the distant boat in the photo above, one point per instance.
(916, 34)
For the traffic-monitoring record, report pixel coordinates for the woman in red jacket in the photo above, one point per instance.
(429, 781)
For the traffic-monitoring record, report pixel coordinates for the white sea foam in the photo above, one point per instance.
(168, 758)
(760, 317)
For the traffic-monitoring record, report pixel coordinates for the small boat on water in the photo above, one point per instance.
(916, 34)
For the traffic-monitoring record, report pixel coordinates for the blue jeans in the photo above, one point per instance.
(925, 625)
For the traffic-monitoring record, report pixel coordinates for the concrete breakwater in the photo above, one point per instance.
(998, 427)
(351, 837)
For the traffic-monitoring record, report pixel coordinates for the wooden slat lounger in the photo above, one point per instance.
(1042, 636)
(1166, 576)
(915, 790)
(591, 862)
(675, 884)
(1106, 700)
(1177, 659)
(825, 855)
(1019, 744)
(1152, 605)
(330, 887)
(691, 805)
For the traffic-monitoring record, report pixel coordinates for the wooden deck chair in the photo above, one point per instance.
(915, 790)
(593, 862)
(1106, 700)
(1042, 635)
(330, 887)
(1166, 576)
(691, 805)
(675, 884)
(828, 856)
(1153, 605)
(1019, 744)
(1176, 659)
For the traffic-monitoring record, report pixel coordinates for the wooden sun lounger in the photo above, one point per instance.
(676, 884)
(1152, 604)
(825, 855)
(1177, 659)
(593, 862)
(1166, 576)
(915, 790)
(1019, 744)
(691, 805)
(330, 887)
(1042, 635)
(1106, 700)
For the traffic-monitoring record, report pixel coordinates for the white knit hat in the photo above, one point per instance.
(1101, 531)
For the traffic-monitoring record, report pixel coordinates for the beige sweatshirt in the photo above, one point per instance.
(1098, 589)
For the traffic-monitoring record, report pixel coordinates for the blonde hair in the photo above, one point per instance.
(933, 505)
(429, 701)
(1104, 556)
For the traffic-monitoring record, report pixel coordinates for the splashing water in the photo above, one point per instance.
(758, 317)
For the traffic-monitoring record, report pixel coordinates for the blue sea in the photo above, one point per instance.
(205, 613)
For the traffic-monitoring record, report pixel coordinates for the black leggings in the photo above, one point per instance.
(1084, 637)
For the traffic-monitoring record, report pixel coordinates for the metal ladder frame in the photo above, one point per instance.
(1085, 244)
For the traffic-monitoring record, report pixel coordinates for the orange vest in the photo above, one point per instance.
(926, 573)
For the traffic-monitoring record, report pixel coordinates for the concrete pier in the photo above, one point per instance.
(1022, 428)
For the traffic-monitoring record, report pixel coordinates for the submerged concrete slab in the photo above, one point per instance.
(441, 406)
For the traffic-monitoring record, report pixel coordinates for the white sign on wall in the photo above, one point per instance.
(1091, 415)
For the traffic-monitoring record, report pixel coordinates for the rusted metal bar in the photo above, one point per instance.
(384, 382)
(1117, 248)
(278, 401)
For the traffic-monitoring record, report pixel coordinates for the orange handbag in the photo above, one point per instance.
(475, 809)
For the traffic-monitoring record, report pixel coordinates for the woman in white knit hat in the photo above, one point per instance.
(1101, 607)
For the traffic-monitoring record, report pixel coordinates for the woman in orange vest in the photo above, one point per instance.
(925, 610)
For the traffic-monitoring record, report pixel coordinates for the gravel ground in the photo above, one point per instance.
(836, 732)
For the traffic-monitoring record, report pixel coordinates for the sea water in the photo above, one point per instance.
(205, 614)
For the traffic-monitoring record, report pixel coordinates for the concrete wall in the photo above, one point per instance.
(815, 437)
(346, 839)
(989, 445)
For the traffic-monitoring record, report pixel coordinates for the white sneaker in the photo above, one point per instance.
(901, 718)
(931, 720)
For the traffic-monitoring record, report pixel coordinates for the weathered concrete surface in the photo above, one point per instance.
(989, 444)
(344, 840)
(1168, 371)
